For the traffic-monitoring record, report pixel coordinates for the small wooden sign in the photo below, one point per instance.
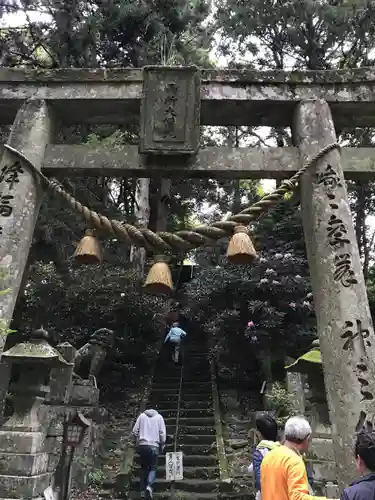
(49, 494)
(174, 470)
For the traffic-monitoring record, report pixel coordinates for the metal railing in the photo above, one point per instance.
(177, 431)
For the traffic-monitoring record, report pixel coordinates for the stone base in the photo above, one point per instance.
(35, 498)
(323, 470)
(54, 448)
(21, 442)
(84, 395)
(321, 449)
(322, 431)
(24, 486)
(332, 490)
(15, 464)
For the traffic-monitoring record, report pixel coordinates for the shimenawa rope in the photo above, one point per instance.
(181, 240)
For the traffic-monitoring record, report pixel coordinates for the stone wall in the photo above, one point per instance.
(240, 437)
(238, 442)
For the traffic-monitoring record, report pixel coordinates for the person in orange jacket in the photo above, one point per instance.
(283, 472)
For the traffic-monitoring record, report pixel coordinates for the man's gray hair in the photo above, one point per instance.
(297, 429)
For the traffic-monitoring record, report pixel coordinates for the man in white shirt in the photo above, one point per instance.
(150, 432)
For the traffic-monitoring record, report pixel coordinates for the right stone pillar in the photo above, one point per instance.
(343, 317)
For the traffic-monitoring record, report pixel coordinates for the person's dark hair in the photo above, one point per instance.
(267, 426)
(365, 448)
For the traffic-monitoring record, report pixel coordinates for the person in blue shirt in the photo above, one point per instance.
(174, 337)
(364, 451)
(267, 431)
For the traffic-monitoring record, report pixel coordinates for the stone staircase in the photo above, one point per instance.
(196, 430)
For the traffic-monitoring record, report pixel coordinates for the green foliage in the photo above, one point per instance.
(279, 401)
(96, 297)
(3, 330)
(274, 292)
(112, 34)
(302, 34)
(95, 477)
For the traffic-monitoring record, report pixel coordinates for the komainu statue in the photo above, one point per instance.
(95, 351)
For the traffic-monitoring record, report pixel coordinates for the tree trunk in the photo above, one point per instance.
(142, 216)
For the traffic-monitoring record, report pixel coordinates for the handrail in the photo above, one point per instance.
(223, 462)
(179, 401)
(176, 435)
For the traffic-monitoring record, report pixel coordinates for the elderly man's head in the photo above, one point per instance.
(298, 431)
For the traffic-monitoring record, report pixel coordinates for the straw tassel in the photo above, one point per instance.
(159, 279)
(241, 249)
(88, 250)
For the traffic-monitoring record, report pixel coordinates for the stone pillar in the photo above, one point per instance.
(343, 318)
(20, 199)
(295, 387)
(23, 458)
(61, 379)
(5, 370)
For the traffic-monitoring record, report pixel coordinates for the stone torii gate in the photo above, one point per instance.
(172, 103)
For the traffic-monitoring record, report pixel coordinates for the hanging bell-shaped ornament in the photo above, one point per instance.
(159, 278)
(89, 250)
(241, 249)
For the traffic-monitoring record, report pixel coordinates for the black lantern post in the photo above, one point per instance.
(74, 432)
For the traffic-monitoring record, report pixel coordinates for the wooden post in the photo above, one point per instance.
(20, 199)
(343, 317)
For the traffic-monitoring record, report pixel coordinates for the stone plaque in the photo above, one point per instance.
(170, 111)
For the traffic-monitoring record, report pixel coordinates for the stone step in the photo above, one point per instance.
(189, 472)
(193, 449)
(198, 381)
(201, 421)
(193, 485)
(185, 405)
(192, 367)
(198, 391)
(192, 379)
(198, 430)
(187, 412)
(186, 428)
(160, 396)
(194, 393)
(196, 439)
(180, 495)
(197, 385)
(177, 494)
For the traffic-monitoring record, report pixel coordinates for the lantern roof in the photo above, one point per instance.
(36, 349)
(308, 360)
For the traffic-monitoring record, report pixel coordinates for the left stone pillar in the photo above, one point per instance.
(20, 200)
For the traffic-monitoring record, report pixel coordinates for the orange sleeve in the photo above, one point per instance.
(297, 482)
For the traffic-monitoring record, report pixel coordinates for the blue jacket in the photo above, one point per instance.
(363, 489)
(175, 335)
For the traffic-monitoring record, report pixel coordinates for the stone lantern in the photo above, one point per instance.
(23, 457)
(310, 364)
(320, 457)
(36, 357)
